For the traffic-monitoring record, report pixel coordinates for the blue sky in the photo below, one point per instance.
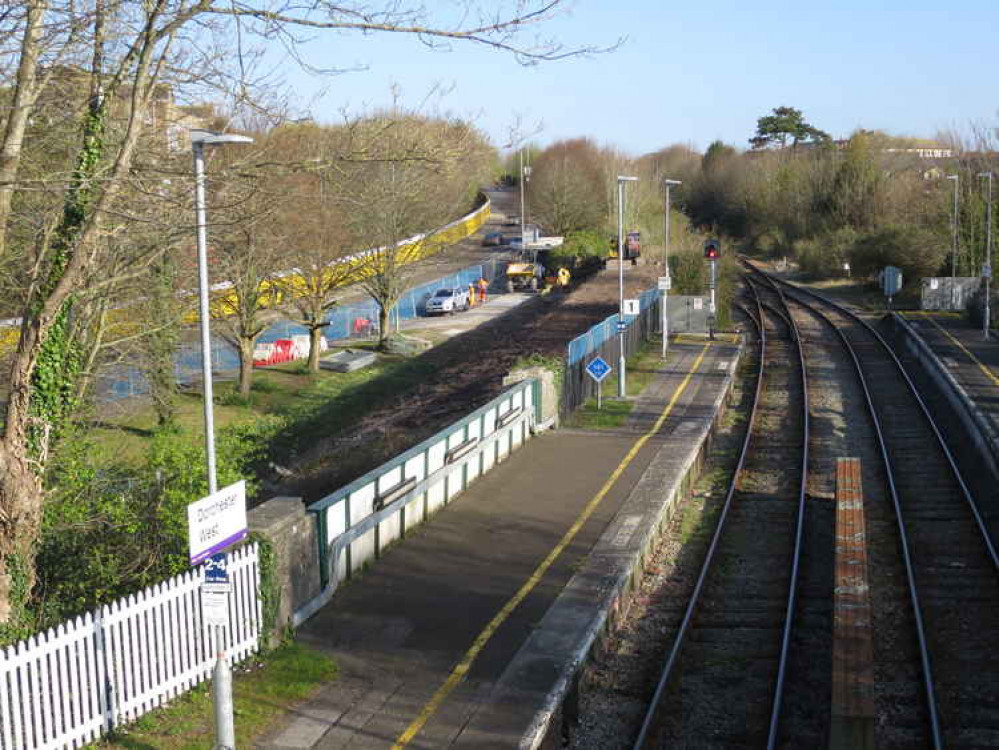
(692, 72)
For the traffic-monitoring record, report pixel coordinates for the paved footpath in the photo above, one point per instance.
(399, 630)
(970, 358)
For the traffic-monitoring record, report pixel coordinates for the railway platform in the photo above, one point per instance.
(469, 633)
(961, 357)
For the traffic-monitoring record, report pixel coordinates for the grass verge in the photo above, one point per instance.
(264, 687)
(642, 369)
(314, 405)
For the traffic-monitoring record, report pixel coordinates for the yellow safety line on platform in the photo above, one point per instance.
(981, 365)
(459, 672)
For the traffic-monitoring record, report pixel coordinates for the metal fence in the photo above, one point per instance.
(686, 315)
(73, 683)
(357, 320)
(945, 293)
(602, 340)
(358, 521)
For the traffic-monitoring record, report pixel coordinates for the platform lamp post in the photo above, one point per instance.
(200, 139)
(953, 260)
(225, 729)
(666, 275)
(988, 251)
(621, 390)
(525, 176)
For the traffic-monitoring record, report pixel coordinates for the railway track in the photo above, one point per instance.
(945, 547)
(733, 643)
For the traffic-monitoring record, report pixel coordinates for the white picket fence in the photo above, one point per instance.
(70, 684)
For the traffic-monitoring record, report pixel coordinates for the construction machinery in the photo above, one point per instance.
(524, 273)
(632, 247)
(533, 269)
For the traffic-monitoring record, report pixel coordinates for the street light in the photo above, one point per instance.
(200, 139)
(525, 176)
(620, 282)
(225, 730)
(953, 260)
(668, 183)
(988, 250)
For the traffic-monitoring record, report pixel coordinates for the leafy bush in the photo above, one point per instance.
(587, 243)
(108, 531)
(918, 252)
(823, 256)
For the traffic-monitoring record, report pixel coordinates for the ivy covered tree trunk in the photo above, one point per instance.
(161, 345)
(20, 518)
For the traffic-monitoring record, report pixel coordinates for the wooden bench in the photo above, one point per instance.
(852, 724)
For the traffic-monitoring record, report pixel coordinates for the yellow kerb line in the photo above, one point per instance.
(981, 365)
(459, 672)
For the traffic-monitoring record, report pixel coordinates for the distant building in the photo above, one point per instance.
(68, 89)
(925, 152)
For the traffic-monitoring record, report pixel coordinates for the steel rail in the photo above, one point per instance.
(924, 651)
(951, 461)
(671, 661)
(799, 534)
(667, 672)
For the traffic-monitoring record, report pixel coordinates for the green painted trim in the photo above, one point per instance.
(374, 474)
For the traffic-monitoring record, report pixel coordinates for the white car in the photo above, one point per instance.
(448, 300)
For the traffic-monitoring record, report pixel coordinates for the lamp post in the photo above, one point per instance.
(225, 730)
(988, 250)
(620, 282)
(668, 183)
(200, 139)
(953, 260)
(525, 175)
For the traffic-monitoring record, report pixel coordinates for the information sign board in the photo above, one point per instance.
(216, 522)
(665, 282)
(632, 307)
(598, 369)
(214, 606)
(891, 280)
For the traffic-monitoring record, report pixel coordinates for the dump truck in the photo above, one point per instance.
(525, 272)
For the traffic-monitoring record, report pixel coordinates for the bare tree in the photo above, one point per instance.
(417, 176)
(247, 251)
(567, 187)
(123, 54)
(318, 239)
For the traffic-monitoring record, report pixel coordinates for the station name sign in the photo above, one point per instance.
(216, 522)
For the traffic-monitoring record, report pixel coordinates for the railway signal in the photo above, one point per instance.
(712, 252)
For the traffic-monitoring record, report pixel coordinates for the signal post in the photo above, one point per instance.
(712, 252)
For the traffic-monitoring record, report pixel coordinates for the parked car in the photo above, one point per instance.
(492, 239)
(448, 300)
(514, 241)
